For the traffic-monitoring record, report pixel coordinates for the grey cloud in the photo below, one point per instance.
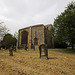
(22, 13)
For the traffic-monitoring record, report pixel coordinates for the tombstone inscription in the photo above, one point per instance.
(43, 51)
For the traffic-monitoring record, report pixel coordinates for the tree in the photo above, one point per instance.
(58, 43)
(3, 30)
(16, 35)
(9, 41)
(64, 25)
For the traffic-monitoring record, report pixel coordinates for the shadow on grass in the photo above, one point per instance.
(52, 58)
(70, 51)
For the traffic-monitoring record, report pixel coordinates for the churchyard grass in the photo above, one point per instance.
(29, 63)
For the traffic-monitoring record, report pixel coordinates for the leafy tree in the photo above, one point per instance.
(9, 41)
(14, 41)
(64, 25)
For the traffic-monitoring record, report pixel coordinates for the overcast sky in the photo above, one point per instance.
(18, 14)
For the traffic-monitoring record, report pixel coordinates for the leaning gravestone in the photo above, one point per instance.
(43, 51)
(25, 47)
(11, 51)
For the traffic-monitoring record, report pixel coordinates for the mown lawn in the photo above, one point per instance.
(28, 63)
(68, 50)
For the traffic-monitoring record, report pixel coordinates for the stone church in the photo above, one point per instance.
(35, 36)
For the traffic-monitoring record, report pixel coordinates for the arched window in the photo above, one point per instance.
(24, 37)
(35, 41)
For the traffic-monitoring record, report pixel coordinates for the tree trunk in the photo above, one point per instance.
(72, 42)
(72, 46)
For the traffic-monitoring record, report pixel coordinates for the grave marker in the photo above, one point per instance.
(43, 51)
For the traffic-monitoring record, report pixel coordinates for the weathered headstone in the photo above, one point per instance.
(14, 48)
(43, 51)
(11, 51)
(25, 47)
(33, 47)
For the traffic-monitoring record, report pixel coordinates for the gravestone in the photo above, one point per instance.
(43, 51)
(25, 47)
(33, 47)
(11, 51)
(14, 48)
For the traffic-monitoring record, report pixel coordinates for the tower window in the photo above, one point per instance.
(35, 34)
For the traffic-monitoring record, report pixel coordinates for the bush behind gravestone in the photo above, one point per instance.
(60, 45)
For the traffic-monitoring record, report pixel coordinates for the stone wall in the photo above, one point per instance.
(48, 37)
(38, 32)
(48, 27)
